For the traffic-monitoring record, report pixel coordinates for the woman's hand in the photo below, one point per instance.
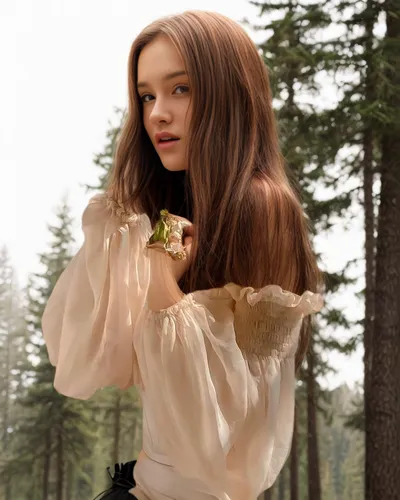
(164, 290)
(179, 267)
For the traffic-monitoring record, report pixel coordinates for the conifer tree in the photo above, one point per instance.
(55, 432)
(383, 418)
(104, 160)
(12, 356)
(365, 116)
(296, 59)
(294, 458)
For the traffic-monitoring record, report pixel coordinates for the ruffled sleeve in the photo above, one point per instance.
(225, 415)
(267, 325)
(89, 319)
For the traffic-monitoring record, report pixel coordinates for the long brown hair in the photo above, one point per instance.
(250, 228)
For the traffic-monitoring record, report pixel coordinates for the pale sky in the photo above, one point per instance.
(63, 66)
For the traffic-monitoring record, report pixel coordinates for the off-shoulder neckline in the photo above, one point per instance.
(190, 299)
(308, 301)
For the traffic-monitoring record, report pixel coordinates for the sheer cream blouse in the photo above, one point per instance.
(215, 368)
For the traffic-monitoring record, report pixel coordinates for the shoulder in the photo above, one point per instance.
(102, 208)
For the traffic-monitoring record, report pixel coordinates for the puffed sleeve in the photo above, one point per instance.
(267, 325)
(89, 319)
(230, 411)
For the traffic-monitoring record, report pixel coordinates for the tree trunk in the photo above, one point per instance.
(314, 481)
(384, 405)
(70, 481)
(117, 428)
(46, 466)
(134, 438)
(294, 462)
(281, 484)
(6, 410)
(369, 295)
(268, 494)
(9, 317)
(370, 243)
(6, 400)
(60, 465)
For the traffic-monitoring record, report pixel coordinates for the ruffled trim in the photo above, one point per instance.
(268, 321)
(117, 210)
(307, 303)
(175, 309)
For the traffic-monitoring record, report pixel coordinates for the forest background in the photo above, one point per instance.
(335, 73)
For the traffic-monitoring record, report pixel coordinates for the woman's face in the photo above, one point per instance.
(163, 88)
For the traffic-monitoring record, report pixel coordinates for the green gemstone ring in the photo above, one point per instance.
(168, 235)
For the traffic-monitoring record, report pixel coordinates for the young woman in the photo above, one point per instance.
(196, 279)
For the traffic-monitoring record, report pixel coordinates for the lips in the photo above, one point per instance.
(165, 137)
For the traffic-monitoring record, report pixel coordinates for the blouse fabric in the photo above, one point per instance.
(215, 370)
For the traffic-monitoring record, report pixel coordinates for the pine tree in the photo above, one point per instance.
(12, 356)
(383, 422)
(294, 458)
(314, 480)
(281, 485)
(118, 419)
(353, 127)
(55, 432)
(364, 116)
(296, 60)
(369, 222)
(104, 160)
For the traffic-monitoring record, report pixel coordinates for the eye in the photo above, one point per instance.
(144, 97)
(182, 88)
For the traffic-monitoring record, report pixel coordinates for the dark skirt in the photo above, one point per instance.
(122, 482)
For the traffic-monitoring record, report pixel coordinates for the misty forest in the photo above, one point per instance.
(335, 72)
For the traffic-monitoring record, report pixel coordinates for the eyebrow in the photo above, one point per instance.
(169, 76)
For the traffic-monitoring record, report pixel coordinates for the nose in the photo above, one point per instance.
(160, 112)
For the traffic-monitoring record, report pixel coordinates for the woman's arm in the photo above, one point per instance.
(89, 320)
